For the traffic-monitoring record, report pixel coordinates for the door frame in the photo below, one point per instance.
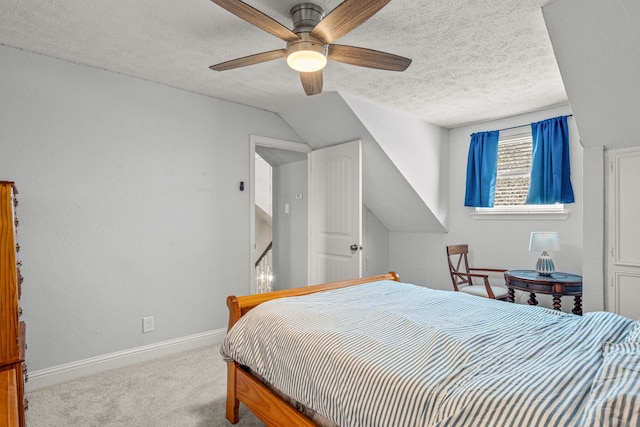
(263, 141)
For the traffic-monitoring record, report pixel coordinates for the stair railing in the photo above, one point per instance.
(264, 271)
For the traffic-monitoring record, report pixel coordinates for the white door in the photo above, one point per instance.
(335, 213)
(623, 232)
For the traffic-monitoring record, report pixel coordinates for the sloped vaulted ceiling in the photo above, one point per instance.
(328, 119)
(597, 46)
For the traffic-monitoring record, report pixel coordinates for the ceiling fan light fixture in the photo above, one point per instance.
(310, 42)
(306, 54)
(306, 61)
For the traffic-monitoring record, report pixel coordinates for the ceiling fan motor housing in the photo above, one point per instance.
(305, 17)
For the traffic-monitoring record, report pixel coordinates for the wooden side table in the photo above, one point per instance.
(558, 285)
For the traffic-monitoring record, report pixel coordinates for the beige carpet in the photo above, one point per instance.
(186, 389)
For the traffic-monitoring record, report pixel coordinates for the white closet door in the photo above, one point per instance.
(623, 232)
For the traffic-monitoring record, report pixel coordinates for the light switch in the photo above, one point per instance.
(286, 208)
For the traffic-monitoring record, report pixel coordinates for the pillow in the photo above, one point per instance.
(634, 333)
(615, 392)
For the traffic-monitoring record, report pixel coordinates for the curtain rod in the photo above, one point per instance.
(521, 126)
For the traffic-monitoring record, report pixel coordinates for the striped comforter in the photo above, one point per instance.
(395, 354)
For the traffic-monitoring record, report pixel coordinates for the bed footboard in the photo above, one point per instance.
(243, 387)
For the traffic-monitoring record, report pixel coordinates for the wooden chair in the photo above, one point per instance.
(462, 275)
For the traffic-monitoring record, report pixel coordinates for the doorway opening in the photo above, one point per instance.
(263, 236)
(278, 213)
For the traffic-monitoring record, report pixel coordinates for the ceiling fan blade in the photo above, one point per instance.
(312, 82)
(257, 18)
(345, 17)
(250, 60)
(367, 58)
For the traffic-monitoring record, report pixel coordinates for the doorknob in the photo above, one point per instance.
(355, 248)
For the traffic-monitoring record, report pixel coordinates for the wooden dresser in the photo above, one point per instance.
(12, 330)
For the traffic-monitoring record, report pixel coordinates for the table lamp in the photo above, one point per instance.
(543, 241)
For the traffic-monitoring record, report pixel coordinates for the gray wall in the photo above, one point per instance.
(263, 233)
(290, 231)
(129, 205)
(375, 240)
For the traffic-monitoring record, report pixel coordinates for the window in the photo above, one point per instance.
(514, 167)
(512, 183)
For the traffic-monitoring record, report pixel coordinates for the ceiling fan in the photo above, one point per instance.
(310, 43)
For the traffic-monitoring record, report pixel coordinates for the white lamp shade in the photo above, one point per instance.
(543, 241)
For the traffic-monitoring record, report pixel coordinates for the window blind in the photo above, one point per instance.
(514, 168)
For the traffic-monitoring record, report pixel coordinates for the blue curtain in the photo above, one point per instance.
(482, 167)
(550, 166)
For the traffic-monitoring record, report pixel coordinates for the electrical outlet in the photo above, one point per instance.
(147, 324)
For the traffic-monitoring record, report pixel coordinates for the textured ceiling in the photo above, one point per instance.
(473, 60)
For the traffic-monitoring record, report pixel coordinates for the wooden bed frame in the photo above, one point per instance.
(245, 388)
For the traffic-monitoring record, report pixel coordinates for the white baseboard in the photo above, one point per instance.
(94, 365)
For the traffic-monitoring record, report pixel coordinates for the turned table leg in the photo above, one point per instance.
(511, 295)
(577, 306)
(556, 302)
(532, 299)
